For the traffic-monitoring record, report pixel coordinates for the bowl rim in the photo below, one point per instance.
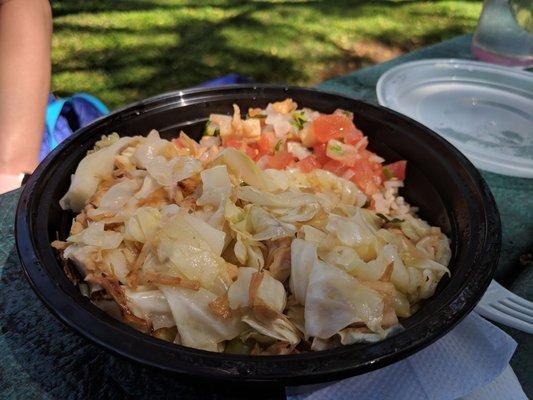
(240, 367)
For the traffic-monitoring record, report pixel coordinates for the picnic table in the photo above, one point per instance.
(42, 359)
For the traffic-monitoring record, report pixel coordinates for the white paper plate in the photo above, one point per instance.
(485, 110)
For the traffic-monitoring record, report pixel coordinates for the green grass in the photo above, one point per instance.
(123, 51)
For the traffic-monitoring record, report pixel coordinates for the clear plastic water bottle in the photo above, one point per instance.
(504, 34)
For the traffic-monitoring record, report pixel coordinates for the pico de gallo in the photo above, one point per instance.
(284, 136)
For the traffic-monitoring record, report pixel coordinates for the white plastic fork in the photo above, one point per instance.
(505, 307)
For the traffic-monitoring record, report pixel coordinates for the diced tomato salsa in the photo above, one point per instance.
(280, 160)
(326, 141)
(308, 164)
(397, 169)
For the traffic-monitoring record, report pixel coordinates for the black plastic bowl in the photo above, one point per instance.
(445, 186)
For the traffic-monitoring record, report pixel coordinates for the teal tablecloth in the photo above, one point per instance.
(41, 359)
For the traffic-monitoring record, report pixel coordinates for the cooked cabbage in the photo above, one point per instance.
(151, 305)
(96, 235)
(91, 171)
(199, 245)
(216, 186)
(169, 172)
(198, 327)
(335, 300)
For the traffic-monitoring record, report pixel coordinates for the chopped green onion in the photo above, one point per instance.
(256, 116)
(211, 130)
(167, 334)
(237, 346)
(388, 174)
(349, 114)
(278, 145)
(84, 289)
(388, 220)
(299, 119)
(335, 148)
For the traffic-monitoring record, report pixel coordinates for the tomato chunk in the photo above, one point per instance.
(267, 142)
(319, 151)
(240, 145)
(280, 160)
(232, 142)
(335, 167)
(397, 169)
(308, 164)
(331, 126)
(251, 152)
(352, 135)
(365, 177)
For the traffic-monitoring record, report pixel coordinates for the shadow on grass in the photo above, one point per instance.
(200, 49)
(69, 7)
(190, 60)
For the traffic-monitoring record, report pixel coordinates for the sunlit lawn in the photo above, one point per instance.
(123, 50)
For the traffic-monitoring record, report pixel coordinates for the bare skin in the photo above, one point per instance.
(25, 42)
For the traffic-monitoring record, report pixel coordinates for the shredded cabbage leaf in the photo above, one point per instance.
(94, 168)
(211, 247)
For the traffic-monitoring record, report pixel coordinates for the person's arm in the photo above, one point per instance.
(25, 41)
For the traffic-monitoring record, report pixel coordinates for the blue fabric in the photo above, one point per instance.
(65, 116)
(226, 80)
